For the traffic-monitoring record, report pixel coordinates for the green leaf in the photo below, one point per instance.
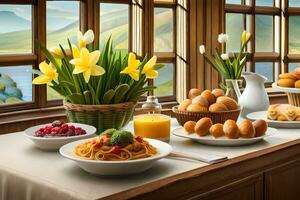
(159, 66)
(88, 97)
(120, 91)
(108, 96)
(76, 98)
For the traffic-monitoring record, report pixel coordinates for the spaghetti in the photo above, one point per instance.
(102, 149)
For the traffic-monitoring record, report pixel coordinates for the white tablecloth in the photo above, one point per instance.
(29, 173)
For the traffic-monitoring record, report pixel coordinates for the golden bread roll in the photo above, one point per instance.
(297, 84)
(202, 126)
(193, 93)
(184, 104)
(216, 130)
(231, 129)
(286, 83)
(209, 96)
(297, 72)
(287, 76)
(197, 108)
(246, 129)
(218, 92)
(260, 127)
(189, 126)
(298, 118)
(230, 103)
(200, 100)
(217, 107)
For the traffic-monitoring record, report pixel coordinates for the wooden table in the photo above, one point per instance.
(267, 170)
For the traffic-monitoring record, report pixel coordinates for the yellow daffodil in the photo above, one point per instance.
(86, 38)
(49, 74)
(87, 64)
(245, 37)
(132, 68)
(149, 70)
(57, 52)
(75, 51)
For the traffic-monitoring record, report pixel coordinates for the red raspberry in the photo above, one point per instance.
(65, 126)
(71, 127)
(116, 149)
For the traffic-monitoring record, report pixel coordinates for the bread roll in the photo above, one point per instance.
(184, 104)
(189, 126)
(217, 107)
(246, 129)
(197, 108)
(200, 100)
(297, 72)
(231, 129)
(230, 103)
(287, 76)
(218, 92)
(286, 83)
(216, 130)
(193, 93)
(297, 84)
(202, 126)
(209, 96)
(260, 127)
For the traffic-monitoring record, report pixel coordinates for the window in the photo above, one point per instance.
(62, 23)
(263, 19)
(17, 56)
(114, 21)
(149, 28)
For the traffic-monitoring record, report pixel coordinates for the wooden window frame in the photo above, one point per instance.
(253, 11)
(89, 19)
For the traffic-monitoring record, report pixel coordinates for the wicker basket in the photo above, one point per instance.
(216, 117)
(100, 116)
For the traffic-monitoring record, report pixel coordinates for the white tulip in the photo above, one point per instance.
(222, 38)
(202, 49)
(224, 56)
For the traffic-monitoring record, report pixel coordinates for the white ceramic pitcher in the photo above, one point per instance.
(254, 97)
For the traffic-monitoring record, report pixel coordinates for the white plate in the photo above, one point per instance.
(285, 89)
(54, 143)
(273, 123)
(221, 141)
(109, 168)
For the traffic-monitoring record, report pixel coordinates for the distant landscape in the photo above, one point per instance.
(16, 38)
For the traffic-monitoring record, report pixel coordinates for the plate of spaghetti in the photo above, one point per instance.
(116, 152)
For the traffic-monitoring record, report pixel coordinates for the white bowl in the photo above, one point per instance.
(54, 143)
(109, 168)
(222, 141)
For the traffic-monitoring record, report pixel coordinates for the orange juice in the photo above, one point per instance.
(155, 126)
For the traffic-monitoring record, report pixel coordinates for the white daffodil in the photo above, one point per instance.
(224, 56)
(222, 38)
(202, 49)
(86, 38)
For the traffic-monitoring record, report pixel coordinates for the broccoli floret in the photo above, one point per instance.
(121, 138)
(108, 132)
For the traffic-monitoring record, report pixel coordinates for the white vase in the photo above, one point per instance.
(254, 98)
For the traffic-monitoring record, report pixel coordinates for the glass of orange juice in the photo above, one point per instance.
(155, 126)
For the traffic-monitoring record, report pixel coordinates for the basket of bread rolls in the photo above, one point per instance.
(213, 104)
(290, 84)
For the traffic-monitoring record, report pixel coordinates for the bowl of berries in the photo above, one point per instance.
(54, 135)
